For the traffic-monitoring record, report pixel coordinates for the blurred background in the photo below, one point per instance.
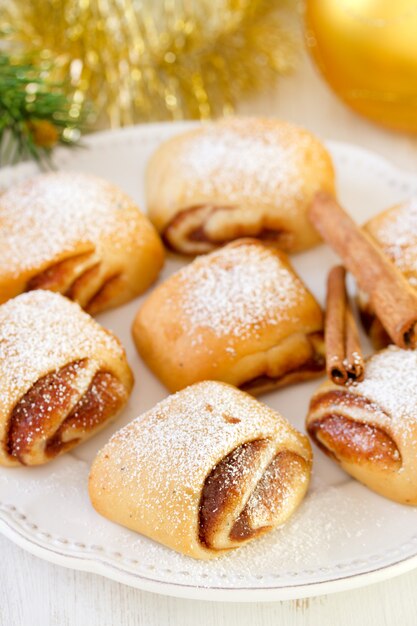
(346, 69)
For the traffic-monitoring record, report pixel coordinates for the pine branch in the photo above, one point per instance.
(36, 114)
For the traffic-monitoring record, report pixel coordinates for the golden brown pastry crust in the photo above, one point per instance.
(371, 323)
(78, 235)
(395, 231)
(237, 178)
(370, 428)
(239, 314)
(62, 377)
(206, 470)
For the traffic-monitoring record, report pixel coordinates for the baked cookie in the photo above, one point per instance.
(205, 471)
(240, 315)
(78, 235)
(236, 178)
(370, 428)
(63, 377)
(395, 231)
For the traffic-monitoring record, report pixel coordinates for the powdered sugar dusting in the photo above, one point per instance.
(249, 158)
(391, 384)
(397, 234)
(238, 290)
(160, 461)
(338, 532)
(40, 332)
(193, 429)
(277, 491)
(44, 217)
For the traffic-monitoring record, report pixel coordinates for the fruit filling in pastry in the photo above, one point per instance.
(237, 178)
(205, 471)
(78, 235)
(370, 427)
(62, 377)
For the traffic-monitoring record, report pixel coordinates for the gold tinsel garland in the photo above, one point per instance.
(156, 59)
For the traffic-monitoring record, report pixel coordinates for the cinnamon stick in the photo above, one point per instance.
(393, 299)
(334, 326)
(344, 360)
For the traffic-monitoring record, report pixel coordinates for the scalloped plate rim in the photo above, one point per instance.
(83, 560)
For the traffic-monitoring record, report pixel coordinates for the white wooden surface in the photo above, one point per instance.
(33, 592)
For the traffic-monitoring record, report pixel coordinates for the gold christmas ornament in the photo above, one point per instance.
(157, 59)
(367, 52)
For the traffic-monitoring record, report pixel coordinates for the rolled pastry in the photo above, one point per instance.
(62, 377)
(78, 235)
(370, 428)
(395, 231)
(236, 178)
(240, 315)
(206, 470)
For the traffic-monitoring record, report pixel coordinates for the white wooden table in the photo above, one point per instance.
(33, 592)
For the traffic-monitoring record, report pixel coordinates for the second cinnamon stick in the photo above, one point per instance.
(334, 332)
(344, 360)
(393, 299)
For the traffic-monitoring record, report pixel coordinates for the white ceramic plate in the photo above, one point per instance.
(343, 536)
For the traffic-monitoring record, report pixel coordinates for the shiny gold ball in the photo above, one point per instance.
(367, 52)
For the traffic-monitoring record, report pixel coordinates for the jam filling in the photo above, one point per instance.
(47, 412)
(343, 438)
(57, 276)
(199, 234)
(222, 493)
